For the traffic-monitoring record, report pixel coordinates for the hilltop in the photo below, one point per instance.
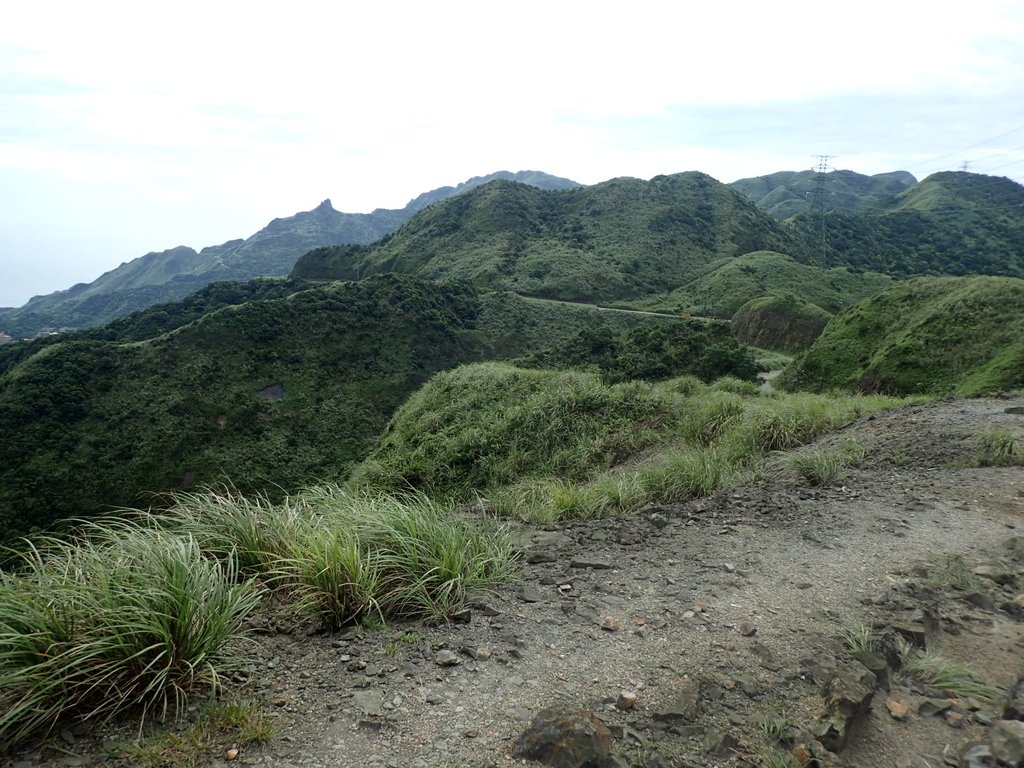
(952, 223)
(617, 240)
(787, 193)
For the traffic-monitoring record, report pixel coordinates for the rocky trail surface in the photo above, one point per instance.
(708, 633)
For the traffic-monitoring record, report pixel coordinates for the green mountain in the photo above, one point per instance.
(927, 335)
(951, 223)
(621, 239)
(271, 385)
(173, 274)
(788, 193)
(722, 291)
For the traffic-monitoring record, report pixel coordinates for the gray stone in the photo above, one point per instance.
(878, 666)
(565, 738)
(1006, 739)
(976, 756)
(932, 707)
(994, 572)
(591, 561)
(530, 593)
(446, 658)
(847, 700)
(683, 706)
(368, 702)
(765, 657)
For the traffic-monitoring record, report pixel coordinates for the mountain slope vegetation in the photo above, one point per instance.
(722, 291)
(621, 239)
(273, 393)
(927, 335)
(165, 276)
(952, 223)
(288, 388)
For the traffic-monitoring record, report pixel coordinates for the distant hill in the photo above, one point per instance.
(173, 274)
(952, 223)
(788, 193)
(927, 335)
(617, 240)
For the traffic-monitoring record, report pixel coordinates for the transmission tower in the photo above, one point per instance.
(818, 195)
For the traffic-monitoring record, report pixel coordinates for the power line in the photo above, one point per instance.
(968, 149)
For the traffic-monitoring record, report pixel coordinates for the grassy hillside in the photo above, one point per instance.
(786, 323)
(159, 318)
(937, 335)
(620, 239)
(788, 193)
(722, 291)
(543, 444)
(951, 223)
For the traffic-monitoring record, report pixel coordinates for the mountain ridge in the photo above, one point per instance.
(172, 274)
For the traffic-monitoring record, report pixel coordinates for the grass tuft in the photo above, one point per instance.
(956, 679)
(860, 639)
(126, 618)
(820, 467)
(998, 448)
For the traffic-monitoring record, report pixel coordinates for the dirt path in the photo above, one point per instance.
(744, 593)
(626, 311)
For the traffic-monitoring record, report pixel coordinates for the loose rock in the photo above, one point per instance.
(564, 738)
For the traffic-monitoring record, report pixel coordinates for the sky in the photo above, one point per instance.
(130, 127)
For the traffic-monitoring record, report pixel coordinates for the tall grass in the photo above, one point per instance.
(137, 614)
(342, 557)
(125, 618)
(544, 446)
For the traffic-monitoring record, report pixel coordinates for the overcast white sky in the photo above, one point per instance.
(128, 127)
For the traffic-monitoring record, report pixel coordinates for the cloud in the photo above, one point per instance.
(224, 115)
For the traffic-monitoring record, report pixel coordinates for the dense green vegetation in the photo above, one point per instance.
(788, 193)
(951, 223)
(652, 352)
(159, 318)
(782, 322)
(274, 393)
(174, 274)
(722, 291)
(928, 335)
(286, 389)
(620, 239)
